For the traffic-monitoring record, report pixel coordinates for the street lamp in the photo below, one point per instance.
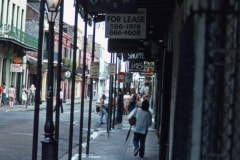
(49, 145)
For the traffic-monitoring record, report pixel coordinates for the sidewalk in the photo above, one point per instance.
(112, 145)
(105, 146)
(20, 107)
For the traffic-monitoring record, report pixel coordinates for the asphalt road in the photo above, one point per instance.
(16, 131)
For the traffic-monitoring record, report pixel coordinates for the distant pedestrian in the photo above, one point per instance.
(103, 111)
(133, 100)
(32, 91)
(11, 96)
(138, 100)
(119, 106)
(60, 102)
(24, 95)
(143, 122)
(4, 94)
(126, 99)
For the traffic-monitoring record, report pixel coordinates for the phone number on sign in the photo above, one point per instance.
(126, 26)
(126, 32)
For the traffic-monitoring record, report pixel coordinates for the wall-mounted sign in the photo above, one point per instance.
(16, 68)
(136, 66)
(125, 26)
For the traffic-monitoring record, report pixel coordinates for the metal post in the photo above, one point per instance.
(91, 89)
(83, 84)
(38, 84)
(73, 81)
(115, 93)
(59, 67)
(110, 105)
(49, 144)
(65, 88)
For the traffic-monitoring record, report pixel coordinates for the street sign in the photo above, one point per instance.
(125, 26)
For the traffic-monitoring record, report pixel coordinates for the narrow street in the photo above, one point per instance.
(16, 129)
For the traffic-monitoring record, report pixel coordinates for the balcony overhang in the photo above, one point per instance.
(18, 43)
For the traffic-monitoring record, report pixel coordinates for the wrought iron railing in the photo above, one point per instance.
(12, 33)
(221, 118)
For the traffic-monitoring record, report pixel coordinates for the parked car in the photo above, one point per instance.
(98, 102)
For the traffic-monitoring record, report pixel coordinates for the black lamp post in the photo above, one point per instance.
(49, 145)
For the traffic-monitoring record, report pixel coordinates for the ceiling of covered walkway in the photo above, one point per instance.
(158, 13)
(158, 16)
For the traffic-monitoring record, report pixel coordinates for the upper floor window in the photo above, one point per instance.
(1, 20)
(22, 15)
(13, 12)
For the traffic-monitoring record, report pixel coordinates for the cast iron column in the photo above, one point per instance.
(49, 144)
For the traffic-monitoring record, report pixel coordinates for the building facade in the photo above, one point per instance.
(14, 44)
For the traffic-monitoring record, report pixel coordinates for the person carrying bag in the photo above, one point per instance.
(140, 128)
(132, 121)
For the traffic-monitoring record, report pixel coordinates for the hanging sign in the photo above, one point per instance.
(94, 71)
(16, 67)
(121, 76)
(112, 69)
(138, 56)
(148, 70)
(67, 74)
(136, 66)
(125, 26)
(128, 77)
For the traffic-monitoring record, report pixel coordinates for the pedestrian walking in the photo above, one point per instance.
(143, 122)
(11, 96)
(24, 95)
(4, 94)
(133, 100)
(138, 100)
(126, 99)
(32, 91)
(60, 102)
(119, 106)
(103, 111)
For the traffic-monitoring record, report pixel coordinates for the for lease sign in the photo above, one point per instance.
(125, 26)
